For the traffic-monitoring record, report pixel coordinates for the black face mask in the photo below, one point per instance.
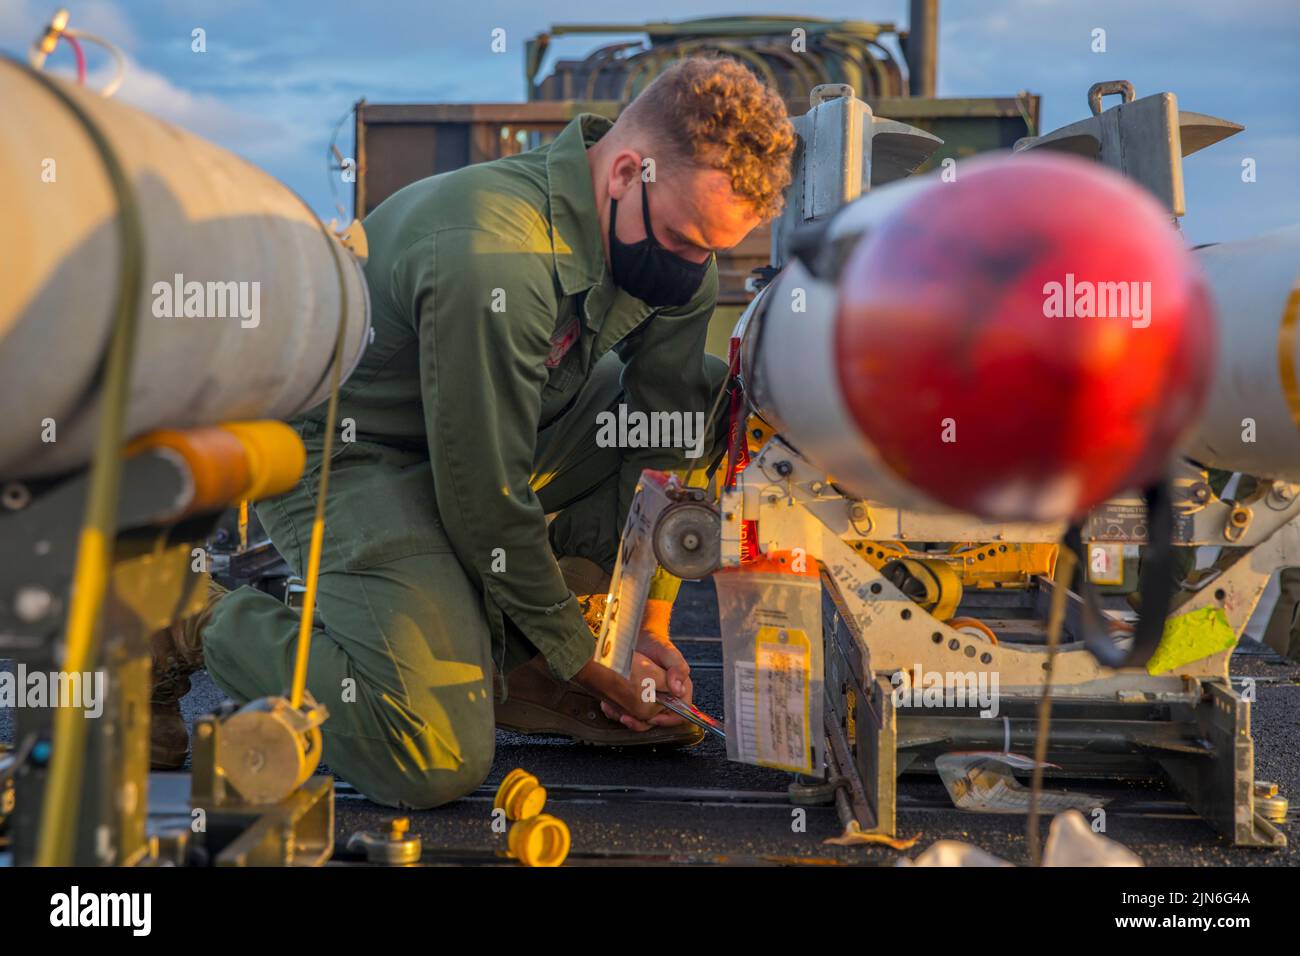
(647, 270)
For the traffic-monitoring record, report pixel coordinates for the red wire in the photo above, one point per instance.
(81, 57)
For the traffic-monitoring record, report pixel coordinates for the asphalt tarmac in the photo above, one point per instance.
(664, 805)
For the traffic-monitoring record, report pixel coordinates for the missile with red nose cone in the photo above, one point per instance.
(1018, 343)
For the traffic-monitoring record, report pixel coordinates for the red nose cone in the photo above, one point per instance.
(1027, 340)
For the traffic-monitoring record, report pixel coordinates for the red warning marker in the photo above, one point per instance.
(1027, 340)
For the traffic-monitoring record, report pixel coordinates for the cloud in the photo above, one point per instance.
(255, 137)
(277, 76)
(105, 19)
(22, 21)
(253, 134)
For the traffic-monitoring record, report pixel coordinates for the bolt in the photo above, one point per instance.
(31, 604)
(15, 496)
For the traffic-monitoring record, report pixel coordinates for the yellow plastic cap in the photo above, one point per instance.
(542, 840)
(520, 795)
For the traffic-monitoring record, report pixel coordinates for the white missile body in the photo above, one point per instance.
(263, 286)
(789, 368)
(1251, 422)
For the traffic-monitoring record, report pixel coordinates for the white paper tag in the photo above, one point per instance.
(633, 571)
(781, 693)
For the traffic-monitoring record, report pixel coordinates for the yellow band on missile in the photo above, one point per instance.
(276, 457)
(1286, 352)
(216, 460)
(232, 462)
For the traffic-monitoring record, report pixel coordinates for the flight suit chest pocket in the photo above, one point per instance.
(565, 358)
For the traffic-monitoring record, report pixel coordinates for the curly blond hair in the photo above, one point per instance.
(714, 112)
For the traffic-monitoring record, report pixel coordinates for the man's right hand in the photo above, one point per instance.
(626, 693)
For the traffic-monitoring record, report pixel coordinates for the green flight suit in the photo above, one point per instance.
(498, 338)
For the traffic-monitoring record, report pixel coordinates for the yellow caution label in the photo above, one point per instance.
(1192, 637)
(782, 695)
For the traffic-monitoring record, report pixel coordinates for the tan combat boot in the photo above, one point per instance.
(177, 653)
(590, 585)
(538, 702)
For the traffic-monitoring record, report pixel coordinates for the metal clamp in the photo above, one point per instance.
(829, 91)
(1109, 88)
(397, 847)
(1239, 518)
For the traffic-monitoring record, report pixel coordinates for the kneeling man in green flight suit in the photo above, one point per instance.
(514, 305)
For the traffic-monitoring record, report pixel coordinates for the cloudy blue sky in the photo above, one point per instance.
(278, 74)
